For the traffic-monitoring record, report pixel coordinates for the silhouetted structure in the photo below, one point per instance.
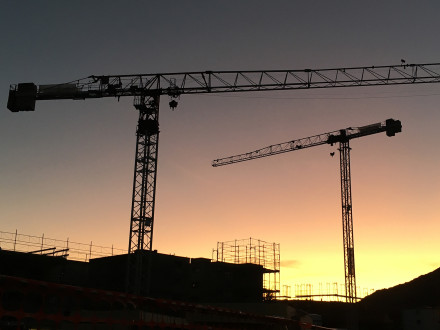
(147, 90)
(177, 278)
(70, 295)
(343, 136)
(55, 247)
(29, 304)
(255, 251)
(326, 292)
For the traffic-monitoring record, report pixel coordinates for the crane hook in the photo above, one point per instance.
(173, 104)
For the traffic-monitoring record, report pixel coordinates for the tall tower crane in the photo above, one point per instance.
(343, 137)
(147, 90)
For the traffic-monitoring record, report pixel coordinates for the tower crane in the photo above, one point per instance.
(343, 136)
(147, 89)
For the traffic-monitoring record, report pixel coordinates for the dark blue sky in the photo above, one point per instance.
(77, 38)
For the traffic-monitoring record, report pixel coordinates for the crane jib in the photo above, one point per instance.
(22, 96)
(390, 126)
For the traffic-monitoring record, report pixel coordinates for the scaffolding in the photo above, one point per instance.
(254, 251)
(55, 247)
(328, 292)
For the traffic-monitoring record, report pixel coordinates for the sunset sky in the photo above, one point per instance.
(66, 169)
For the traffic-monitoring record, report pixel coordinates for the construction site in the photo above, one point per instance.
(48, 283)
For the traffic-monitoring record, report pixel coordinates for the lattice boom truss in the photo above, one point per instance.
(254, 251)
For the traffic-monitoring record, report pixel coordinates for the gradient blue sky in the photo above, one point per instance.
(66, 169)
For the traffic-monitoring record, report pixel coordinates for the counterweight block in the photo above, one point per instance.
(22, 97)
(393, 127)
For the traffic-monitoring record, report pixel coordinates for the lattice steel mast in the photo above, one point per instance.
(343, 136)
(347, 222)
(144, 193)
(146, 87)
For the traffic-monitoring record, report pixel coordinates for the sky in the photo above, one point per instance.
(66, 169)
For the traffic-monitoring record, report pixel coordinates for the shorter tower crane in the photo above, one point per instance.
(343, 136)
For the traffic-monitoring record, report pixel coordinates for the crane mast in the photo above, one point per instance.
(347, 222)
(343, 137)
(148, 88)
(144, 194)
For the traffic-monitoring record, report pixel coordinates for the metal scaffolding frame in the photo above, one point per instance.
(17, 242)
(254, 251)
(327, 292)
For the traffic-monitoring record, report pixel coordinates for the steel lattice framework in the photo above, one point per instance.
(144, 193)
(146, 87)
(347, 222)
(175, 84)
(343, 136)
(276, 149)
(254, 251)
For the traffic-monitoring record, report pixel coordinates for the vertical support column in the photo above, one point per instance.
(143, 198)
(347, 222)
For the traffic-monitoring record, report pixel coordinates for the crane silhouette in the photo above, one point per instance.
(343, 136)
(147, 90)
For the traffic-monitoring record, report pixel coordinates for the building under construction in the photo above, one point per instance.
(42, 287)
(254, 251)
(167, 276)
